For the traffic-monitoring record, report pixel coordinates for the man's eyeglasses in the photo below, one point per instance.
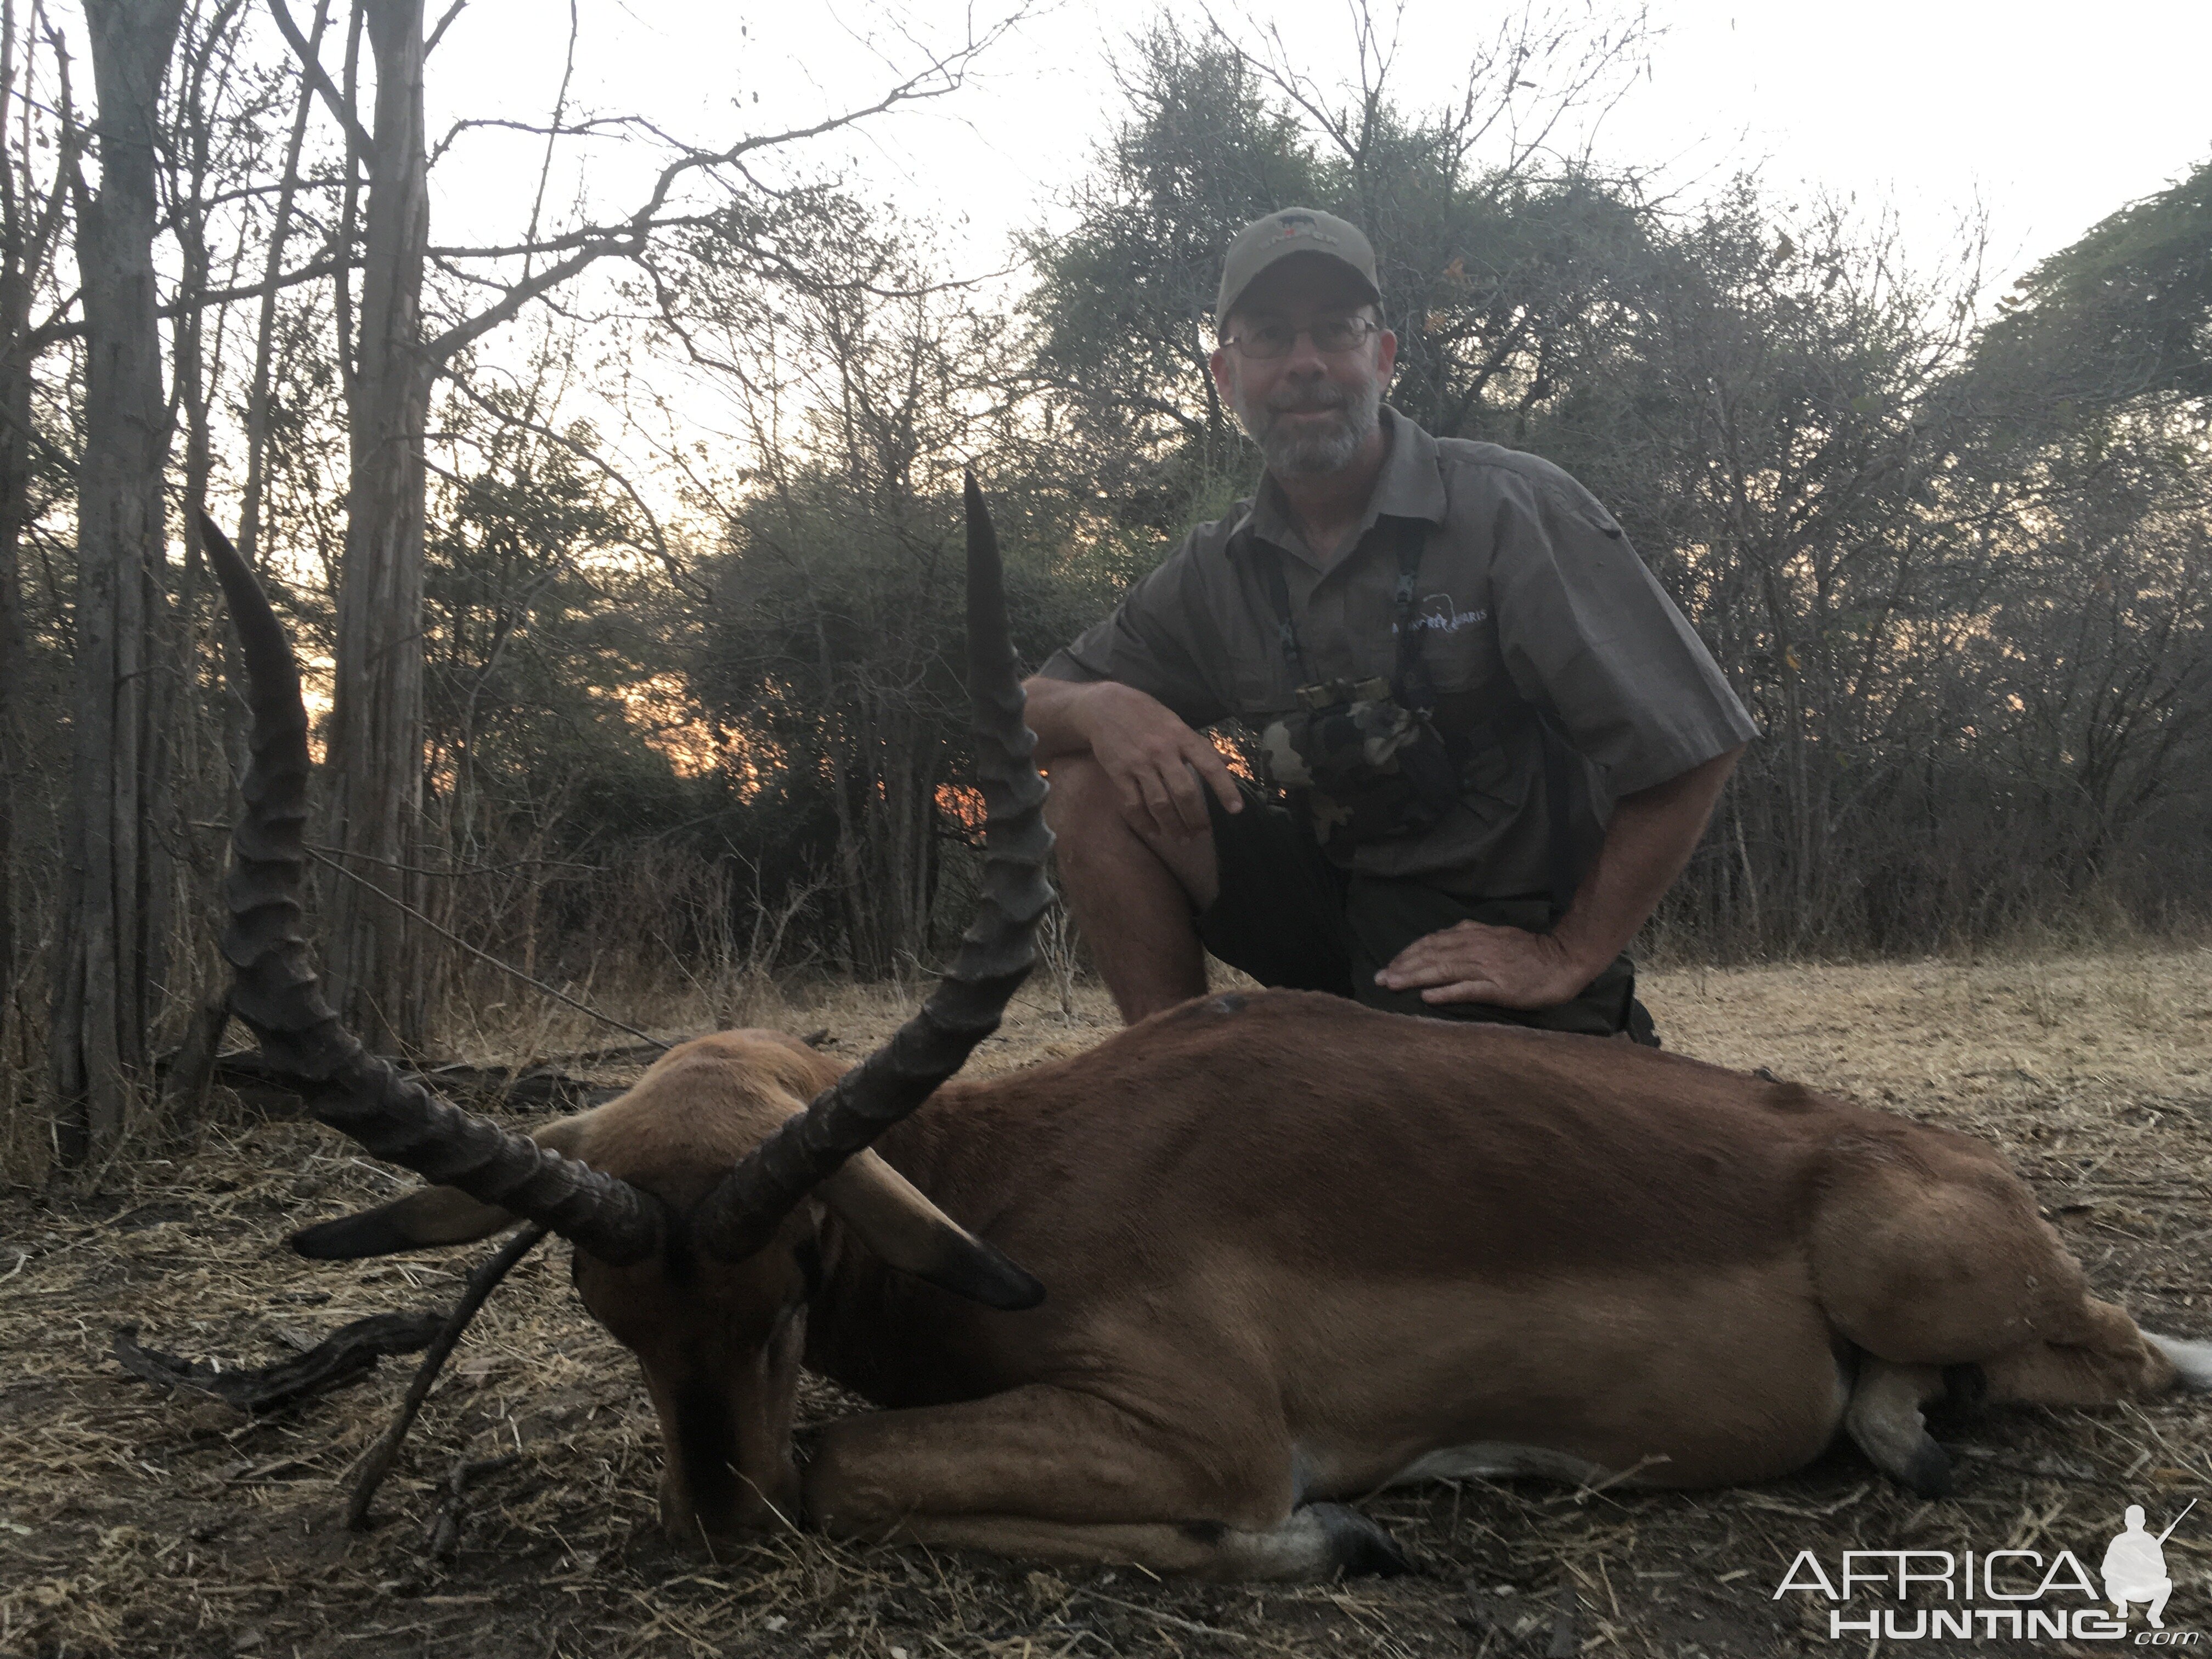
(1265, 341)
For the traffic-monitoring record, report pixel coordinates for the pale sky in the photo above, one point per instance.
(2049, 119)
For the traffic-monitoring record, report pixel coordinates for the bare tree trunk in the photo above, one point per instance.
(108, 967)
(15, 484)
(17, 202)
(193, 781)
(376, 730)
(30, 231)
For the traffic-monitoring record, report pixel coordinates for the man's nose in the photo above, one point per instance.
(1305, 356)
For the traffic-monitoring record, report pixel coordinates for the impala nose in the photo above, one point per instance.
(723, 1505)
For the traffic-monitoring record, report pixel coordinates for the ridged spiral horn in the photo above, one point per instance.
(741, 1214)
(276, 993)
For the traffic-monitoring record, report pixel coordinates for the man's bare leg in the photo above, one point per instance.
(1133, 895)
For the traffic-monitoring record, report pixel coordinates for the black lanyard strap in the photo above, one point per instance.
(1413, 689)
(1410, 682)
(1278, 595)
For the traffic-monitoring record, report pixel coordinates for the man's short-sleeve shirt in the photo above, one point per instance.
(1532, 608)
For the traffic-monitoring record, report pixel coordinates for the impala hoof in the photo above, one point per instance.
(1357, 1548)
(1927, 1472)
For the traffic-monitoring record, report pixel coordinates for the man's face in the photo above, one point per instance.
(1309, 411)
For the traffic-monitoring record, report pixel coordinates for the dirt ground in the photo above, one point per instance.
(137, 1525)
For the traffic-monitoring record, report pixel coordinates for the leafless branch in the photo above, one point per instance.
(677, 574)
(594, 126)
(340, 108)
(938, 76)
(444, 23)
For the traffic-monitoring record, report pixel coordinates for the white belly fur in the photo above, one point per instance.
(1498, 1460)
(1661, 1381)
(1495, 1460)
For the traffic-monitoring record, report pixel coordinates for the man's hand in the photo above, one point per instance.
(1505, 967)
(1645, 846)
(1160, 768)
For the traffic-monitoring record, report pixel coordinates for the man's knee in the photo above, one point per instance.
(1091, 829)
(1082, 799)
(1085, 812)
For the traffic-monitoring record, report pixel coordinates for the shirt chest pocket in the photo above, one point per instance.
(1458, 642)
(1261, 691)
(1497, 764)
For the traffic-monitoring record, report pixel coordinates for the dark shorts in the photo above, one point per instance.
(1289, 917)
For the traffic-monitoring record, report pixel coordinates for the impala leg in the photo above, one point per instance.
(1941, 1260)
(2101, 1358)
(1056, 1474)
(1884, 1418)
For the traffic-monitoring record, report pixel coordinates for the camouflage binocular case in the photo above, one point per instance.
(1366, 766)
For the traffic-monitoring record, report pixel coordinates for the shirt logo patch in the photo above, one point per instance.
(1436, 614)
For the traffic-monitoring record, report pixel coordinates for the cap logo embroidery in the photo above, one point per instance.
(1297, 225)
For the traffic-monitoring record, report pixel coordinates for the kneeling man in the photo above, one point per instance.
(1494, 739)
(2134, 1569)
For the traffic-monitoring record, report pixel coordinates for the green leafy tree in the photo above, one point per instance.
(552, 644)
(2124, 314)
(1122, 308)
(832, 641)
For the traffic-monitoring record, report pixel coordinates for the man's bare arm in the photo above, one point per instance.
(1160, 768)
(1650, 839)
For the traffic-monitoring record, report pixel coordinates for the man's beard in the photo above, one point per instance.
(1310, 448)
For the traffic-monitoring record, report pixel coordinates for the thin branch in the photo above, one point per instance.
(676, 572)
(452, 937)
(553, 132)
(258, 393)
(318, 78)
(481, 1283)
(444, 23)
(52, 333)
(630, 237)
(348, 223)
(531, 128)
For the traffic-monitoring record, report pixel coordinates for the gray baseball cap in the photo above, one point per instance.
(1283, 235)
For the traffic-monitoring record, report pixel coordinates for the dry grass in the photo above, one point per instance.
(133, 1526)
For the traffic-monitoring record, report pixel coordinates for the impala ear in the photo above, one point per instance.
(429, 1216)
(892, 1218)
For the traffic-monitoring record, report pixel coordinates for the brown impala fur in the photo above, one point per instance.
(1296, 1250)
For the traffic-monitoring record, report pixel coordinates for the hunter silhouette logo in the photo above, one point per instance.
(2135, 1567)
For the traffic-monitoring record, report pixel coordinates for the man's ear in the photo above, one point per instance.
(891, 1217)
(427, 1217)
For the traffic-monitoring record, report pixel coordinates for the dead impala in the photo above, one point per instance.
(1288, 1250)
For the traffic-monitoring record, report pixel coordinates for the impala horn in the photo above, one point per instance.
(278, 996)
(739, 1215)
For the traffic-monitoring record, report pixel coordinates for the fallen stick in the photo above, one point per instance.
(346, 1355)
(534, 1087)
(378, 1462)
